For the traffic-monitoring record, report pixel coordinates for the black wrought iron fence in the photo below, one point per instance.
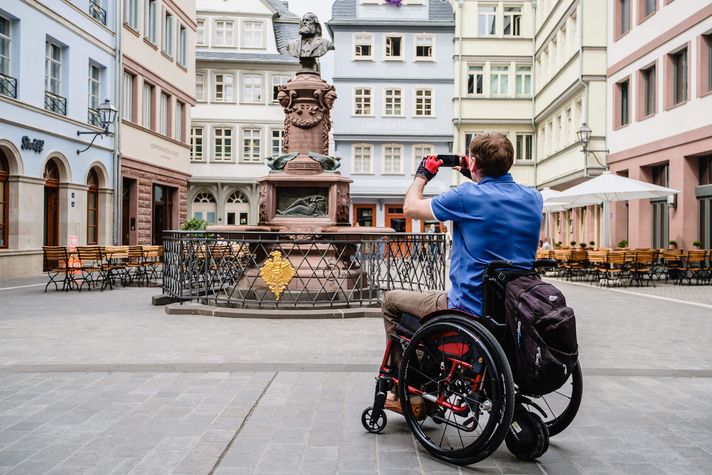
(8, 86)
(55, 103)
(288, 270)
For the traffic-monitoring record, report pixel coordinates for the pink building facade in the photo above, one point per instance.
(660, 118)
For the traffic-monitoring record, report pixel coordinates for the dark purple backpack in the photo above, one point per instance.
(543, 329)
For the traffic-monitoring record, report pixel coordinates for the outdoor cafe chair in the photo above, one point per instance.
(135, 266)
(93, 267)
(154, 256)
(616, 269)
(596, 264)
(693, 267)
(576, 264)
(672, 264)
(642, 267)
(55, 262)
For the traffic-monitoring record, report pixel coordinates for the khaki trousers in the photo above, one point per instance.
(397, 302)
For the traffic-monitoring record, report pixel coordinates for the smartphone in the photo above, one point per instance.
(450, 160)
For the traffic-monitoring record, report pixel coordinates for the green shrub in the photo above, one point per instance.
(194, 224)
(623, 243)
(697, 243)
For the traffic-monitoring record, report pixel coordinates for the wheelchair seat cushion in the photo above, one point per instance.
(408, 325)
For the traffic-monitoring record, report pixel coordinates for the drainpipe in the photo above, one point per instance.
(118, 78)
(456, 176)
(583, 83)
(534, 86)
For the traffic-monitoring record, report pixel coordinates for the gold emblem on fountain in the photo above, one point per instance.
(277, 272)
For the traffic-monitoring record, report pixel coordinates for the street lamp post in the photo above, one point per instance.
(107, 115)
(584, 138)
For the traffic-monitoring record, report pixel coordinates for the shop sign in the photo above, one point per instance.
(35, 144)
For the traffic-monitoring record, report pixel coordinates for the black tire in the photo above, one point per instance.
(422, 367)
(371, 425)
(528, 437)
(561, 406)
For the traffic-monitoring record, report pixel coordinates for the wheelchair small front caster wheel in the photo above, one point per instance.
(374, 426)
(528, 436)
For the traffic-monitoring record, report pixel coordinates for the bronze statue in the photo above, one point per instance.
(311, 45)
(313, 205)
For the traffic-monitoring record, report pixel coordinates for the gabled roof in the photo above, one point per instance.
(245, 57)
(281, 9)
(343, 12)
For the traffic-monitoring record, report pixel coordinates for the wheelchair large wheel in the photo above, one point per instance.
(558, 409)
(461, 372)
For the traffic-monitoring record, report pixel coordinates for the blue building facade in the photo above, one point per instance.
(393, 77)
(57, 64)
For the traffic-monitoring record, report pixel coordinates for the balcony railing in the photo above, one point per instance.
(55, 103)
(97, 12)
(8, 86)
(94, 118)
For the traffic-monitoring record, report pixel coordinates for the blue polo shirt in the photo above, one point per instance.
(496, 219)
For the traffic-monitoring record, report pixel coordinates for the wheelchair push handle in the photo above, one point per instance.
(498, 265)
(545, 263)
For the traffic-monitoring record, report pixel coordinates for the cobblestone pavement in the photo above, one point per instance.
(105, 383)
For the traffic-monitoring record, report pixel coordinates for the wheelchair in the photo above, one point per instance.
(455, 385)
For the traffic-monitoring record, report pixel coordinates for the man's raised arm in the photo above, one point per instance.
(414, 206)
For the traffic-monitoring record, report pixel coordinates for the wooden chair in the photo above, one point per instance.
(576, 264)
(596, 264)
(616, 269)
(93, 267)
(693, 267)
(55, 262)
(642, 267)
(135, 265)
(154, 256)
(672, 264)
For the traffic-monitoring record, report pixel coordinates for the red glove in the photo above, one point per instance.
(429, 167)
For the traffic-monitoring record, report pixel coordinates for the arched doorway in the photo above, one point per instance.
(51, 203)
(205, 207)
(4, 199)
(93, 207)
(237, 208)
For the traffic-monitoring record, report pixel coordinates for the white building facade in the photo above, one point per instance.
(237, 121)
(57, 64)
(393, 77)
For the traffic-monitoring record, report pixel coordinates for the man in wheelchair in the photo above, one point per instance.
(493, 218)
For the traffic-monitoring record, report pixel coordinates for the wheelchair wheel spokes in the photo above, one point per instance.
(558, 409)
(463, 376)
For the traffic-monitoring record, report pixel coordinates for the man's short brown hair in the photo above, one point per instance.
(493, 154)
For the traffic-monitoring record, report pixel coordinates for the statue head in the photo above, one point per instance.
(309, 27)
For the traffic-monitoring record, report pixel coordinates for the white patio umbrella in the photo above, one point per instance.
(552, 207)
(609, 187)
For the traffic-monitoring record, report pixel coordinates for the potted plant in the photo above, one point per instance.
(697, 243)
(672, 244)
(557, 244)
(622, 244)
(194, 224)
(583, 245)
(592, 243)
(572, 243)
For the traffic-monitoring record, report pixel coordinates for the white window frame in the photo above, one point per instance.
(512, 16)
(425, 150)
(128, 96)
(201, 32)
(152, 17)
(399, 97)
(255, 151)
(386, 57)
(363, 146)
(518, 153)
(522, 74)
(424, 36)
(276, 81)
(200, 81)
(131, 16)
(362, 96)
(164, 108)
(472, 70)
(498, 76)
(215, 85)
(384, 152)
(245, 26)
(487, 15)
(168, 34)
(228, 27)
(53, 84)
(178, 119)
(195, 157)
(182, 57)
(94, 96)
(417, 100)
(218, 133)
(147, 105)
(276, 142)
(356, 43)
(7, 39)
(248, 84)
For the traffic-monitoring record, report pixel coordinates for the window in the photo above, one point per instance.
(252, 88)
(278, 80)
(393, 106)
(649, 91)
(132, 13)
(200, 87)
(252, 34)
(392, 159)
(623, 16)
(648, 7)
(277, 142)
(423, 47)
(163, 124)
(513, 21)
(705, 170)
(5, 47)
(363, 155)
(223, 144)
(661, 175)
(420, 151)
(568, 126)
(182, 46)
(706, 64)
(679, 76)
(200, 33)
(97, 10)
(623, 103)
(94, 94)
(167, 39)
(559, 132)
(196, 144)
(224, 33)
(128, 97)
(147, 117)
(423, 103)
(394, 47)
(152, 21)
(223, 87)
(363, 46)
(53, 68)
(251, 145)
(475, 78)
(204, 205)
(362, 101)
(4, 200)
(178, 135)
(93, 208)
(523, 86)
(524, 147)
(499, 80)
(486, 20)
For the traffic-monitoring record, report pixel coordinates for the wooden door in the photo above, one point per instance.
(364, 215)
